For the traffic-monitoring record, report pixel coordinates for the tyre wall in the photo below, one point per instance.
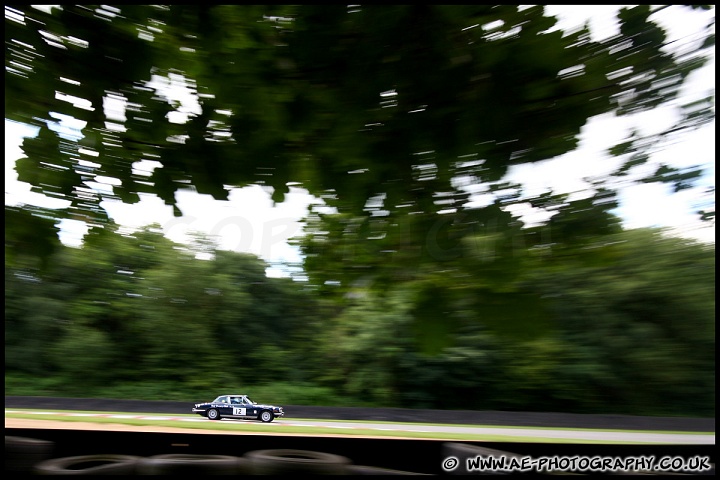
(156, 452)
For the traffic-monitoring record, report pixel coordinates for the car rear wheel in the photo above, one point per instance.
(266, 416)
(213, 414)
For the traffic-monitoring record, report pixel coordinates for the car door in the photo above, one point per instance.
(239, 407)
(224, 407)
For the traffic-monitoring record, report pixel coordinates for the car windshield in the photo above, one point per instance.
(249, 401)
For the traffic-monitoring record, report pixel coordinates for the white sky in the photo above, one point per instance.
(248, 221)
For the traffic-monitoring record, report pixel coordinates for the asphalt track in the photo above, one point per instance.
(522, 434)
(395, 415)
(435, 430)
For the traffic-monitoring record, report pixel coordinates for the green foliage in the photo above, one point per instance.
(39, 385)
(643, 317)
(83, 356)
(297, 394)
(25, 242)
(34, 317)
(366, 345)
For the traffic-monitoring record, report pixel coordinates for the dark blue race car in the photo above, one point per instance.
(238, 407)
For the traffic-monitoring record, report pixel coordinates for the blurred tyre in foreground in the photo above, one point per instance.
(89, 465)
(23, 453)
(291, 461)
(368, 470)
(188, 464)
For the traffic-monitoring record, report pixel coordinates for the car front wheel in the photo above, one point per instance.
(267, 416)
(213, 414)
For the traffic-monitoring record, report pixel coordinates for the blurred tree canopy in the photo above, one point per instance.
(386, 112)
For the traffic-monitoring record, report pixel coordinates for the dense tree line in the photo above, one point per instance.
(624, 324)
